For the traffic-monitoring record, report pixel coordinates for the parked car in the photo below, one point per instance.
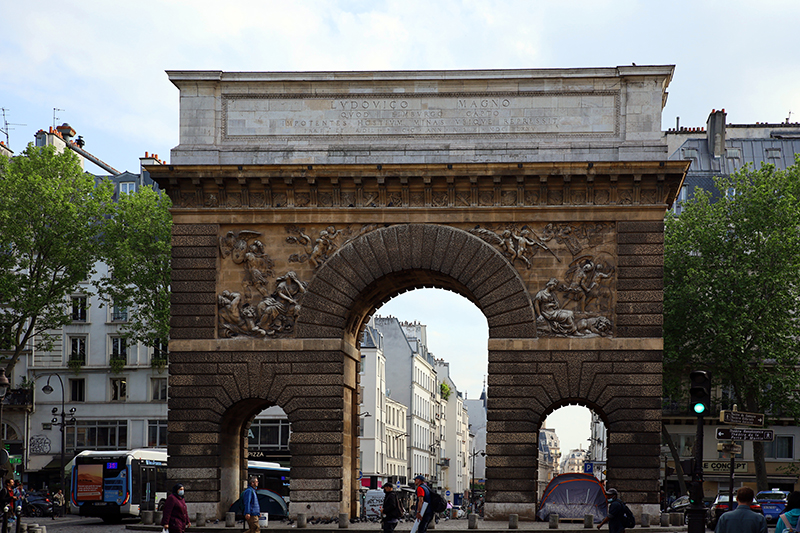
(681, 505)
(37, 504)
(269, 502)
(772, 503)
(722, 505)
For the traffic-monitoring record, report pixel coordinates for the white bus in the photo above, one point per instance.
(116, 484)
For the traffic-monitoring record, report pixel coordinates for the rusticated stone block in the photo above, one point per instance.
(195, 229)
(375, 241)
(318, 438)
(317, 472)
(621, 460)
(640, 249)
(633, 438)
(194, 462)
(318, 425)
(196, 251)
(192, 321)
(639, 308)
(640, 260)
(508, 496)
(646, 284)
(516, 331)
(315, 484)
(510, 461)
(191, 263)
(482, 255)
(191, 298)
(503, 357)
(512, 449)
(317, 495)
(510, 473)
(182, 426)
(640, 226)
(193, 286)
(196, 495)
(640, 238)
(205, 274)
(640, 296)
(199, 310)
(194, 240)
(639, 331)
(298, 449)
(640, 272)
(513, 485)
(192, 333)
(194, 438)
(631, 355)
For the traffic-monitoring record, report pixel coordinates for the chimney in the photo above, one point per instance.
(66, 131)
(715, 132)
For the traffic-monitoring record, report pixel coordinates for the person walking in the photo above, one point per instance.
(424, 512)
(252, 511)
(60, 501)
(7, 503)
(616, 512)
(392, 510)
(742, 519)
(791, 514)
(175, 516)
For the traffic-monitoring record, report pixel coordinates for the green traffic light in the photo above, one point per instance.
(699, 408)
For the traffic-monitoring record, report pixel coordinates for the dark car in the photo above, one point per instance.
(37, 504)
(722, 505)
(772, 503)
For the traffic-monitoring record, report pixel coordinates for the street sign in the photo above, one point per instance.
(588, 468)
(742, 418)
(447, 493)
(745, 434)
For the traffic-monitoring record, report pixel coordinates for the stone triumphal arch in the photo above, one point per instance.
(302, 201)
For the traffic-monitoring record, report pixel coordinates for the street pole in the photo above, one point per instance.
(47, 389)
(697, 511)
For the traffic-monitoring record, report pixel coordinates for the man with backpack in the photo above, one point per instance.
(392, 509)
(423, 508)
(619, 516)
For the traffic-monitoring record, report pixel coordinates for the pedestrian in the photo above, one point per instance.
(392, 509)
(742, 519)
(424, 512)
(616, 511)
(175, 516)
(7, 503)
(60, 501)
(791, 513)
(252, 510)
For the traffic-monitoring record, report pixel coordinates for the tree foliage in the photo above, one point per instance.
(136, 246)
(52, 216)
(731, 290)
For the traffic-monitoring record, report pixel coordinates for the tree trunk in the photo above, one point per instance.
(761, 466)
(675, 458)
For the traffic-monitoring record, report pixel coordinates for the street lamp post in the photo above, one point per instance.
(4, 387)
(474, 455)
(47, 389)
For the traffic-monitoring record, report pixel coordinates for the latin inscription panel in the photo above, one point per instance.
(257, 116)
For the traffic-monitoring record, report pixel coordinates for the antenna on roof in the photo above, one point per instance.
(6, 125)
(789, 118)
(55, 118)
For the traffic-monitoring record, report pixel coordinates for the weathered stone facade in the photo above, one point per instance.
(278, 266)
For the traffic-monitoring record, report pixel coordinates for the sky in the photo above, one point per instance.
(101, 65)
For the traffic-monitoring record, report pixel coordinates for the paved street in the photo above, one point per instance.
(76, 524)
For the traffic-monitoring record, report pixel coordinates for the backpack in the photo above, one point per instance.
(628, 520)
(438, 504)
(789, 528)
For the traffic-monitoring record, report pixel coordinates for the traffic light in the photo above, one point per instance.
(700, 392)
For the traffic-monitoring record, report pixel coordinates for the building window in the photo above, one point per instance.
(161, 351)
(79, 308)
(119, 389)
(78, 349)
(119, 348)
(77, 390)
(119, 314)
(159, 386)
(781, 448)
(97, 435)
(127, 187)
(157, 433)
(269, 435)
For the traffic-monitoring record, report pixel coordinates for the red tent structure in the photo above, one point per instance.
(573, 496)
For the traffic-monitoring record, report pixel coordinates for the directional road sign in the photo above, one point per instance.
(745, 434)
(742, 418)
(588, 468)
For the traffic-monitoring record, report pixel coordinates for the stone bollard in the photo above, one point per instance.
(676, 519)
(664, 519)
(588, 521)
(513, 521)
(147, 518)
(473, 521)
(645, 520)
(301, 520)
(432, 524)
(230, 519)
(200, 520)
(553, 521)
(23, 528)
(344, 520)
(157, 516)
(43, 529)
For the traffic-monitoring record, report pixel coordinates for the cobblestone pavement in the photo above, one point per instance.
(77, 524)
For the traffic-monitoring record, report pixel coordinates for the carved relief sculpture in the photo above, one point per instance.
(515, 244)
(267, 313)
(317, 252)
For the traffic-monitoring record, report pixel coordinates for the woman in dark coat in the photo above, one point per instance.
(176, 517)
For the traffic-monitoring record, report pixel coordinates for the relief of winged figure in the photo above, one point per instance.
(522, 245)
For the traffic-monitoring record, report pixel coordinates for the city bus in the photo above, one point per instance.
(117, 484)
(271, 476)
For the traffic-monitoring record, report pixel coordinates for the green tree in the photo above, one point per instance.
(52, 216)
(137, 248)
(731, 290)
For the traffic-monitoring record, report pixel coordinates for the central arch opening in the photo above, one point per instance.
(424, 360)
